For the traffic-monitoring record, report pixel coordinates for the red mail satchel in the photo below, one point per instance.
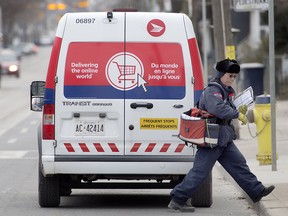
(196, 129)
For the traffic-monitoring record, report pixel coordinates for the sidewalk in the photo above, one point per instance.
(275, 204)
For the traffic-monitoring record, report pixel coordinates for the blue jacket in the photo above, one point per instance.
(218, 100)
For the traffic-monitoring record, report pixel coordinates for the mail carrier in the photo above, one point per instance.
(116, 86)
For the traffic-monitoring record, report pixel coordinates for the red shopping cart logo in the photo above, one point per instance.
(123, 69)
(127, 72)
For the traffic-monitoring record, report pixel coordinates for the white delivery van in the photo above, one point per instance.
(116, 86)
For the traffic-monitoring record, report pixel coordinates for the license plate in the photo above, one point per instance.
(89, 128)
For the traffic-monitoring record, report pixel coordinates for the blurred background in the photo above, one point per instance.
(26, 25)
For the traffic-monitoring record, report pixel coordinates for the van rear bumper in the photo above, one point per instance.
(117, 158)
(125, 165)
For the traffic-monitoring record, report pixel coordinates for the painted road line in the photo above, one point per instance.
(13, 140)
(12, 154)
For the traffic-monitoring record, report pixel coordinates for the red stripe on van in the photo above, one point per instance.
(135, 147)
(69, 147)
(98, 147)
(150, 147)
(165, 147)
(49, 109)
(84, 147)
(113, 147)
(196, 64)
(52, 68)
(179, 148)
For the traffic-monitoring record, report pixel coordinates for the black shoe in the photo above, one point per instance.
(183, 208)
(265, 192)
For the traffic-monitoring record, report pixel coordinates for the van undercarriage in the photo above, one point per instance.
(120, 181)
(52, 187)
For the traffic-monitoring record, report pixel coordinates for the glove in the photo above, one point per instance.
(242, 109)
(242, 118)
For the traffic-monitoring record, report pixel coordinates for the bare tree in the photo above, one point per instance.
(19, 14)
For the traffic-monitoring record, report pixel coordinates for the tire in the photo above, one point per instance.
(48, 190)
(203, 195)
(65, 190)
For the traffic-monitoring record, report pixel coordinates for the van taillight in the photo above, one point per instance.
(48, 122)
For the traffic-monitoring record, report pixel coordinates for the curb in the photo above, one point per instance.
(259, 207)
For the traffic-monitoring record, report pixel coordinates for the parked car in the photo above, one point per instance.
(25, 48)
(29, 48)
(10, 63)
(45, 40)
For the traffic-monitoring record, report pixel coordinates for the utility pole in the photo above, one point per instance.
(223, 37)
(272, 84)
(1, 42)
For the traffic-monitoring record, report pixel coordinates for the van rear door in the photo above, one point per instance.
(157, 84)
(88, 110)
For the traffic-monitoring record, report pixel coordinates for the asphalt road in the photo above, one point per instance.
(19, 162)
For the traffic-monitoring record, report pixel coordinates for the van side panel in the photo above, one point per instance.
(197, 69)
(48, 131)
(52, 69)
(195, 59)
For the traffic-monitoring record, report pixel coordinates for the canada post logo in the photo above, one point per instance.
(156, 27)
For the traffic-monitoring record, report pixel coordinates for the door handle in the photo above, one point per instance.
(177, 106)
(136, 105)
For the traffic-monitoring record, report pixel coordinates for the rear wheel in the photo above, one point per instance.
(203, 195)
(65, 190)
(48, 190)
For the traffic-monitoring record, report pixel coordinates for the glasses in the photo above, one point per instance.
(232, 76)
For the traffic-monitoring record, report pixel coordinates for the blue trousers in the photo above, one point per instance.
(233, 162)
